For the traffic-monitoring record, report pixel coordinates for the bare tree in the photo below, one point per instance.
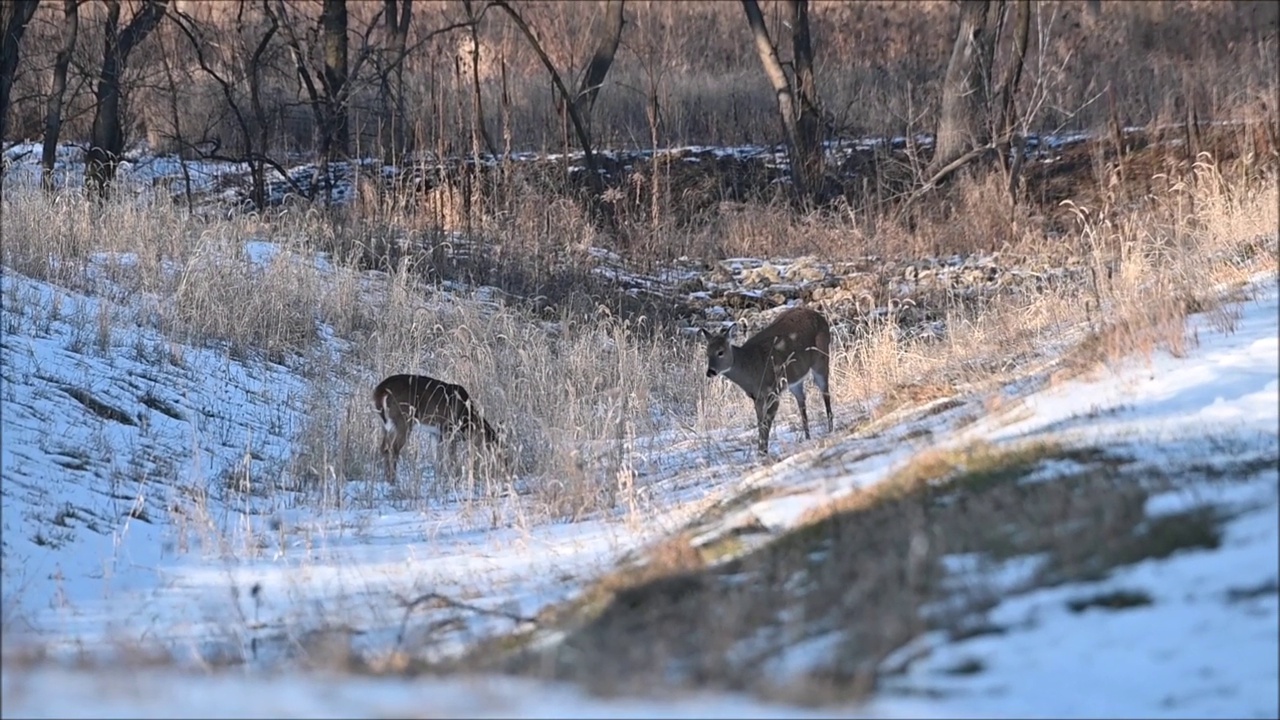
(15, 17)
(252, 123)
(607, 39)
(579, 125)
(970, 127)
(1004, 128)
(398, 14)
(333, 22)
(964, 121)
(978, 116)
(1013, 74)
(479, 131)
(798, 105)
(53, 107)
(107, 141)
(327, 81)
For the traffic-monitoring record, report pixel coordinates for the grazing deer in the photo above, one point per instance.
(447, 408)
(798, 341)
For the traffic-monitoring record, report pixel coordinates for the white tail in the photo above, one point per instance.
(405, 399)
(797, 342)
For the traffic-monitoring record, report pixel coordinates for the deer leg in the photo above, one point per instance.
(455, 455)
(766, 409)
(442, 453)
(797, 390)
(388, 459)
(475, 458)
(392, 443)
(821, 381)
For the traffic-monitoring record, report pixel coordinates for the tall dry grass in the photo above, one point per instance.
(578, 395)
(587, 390)
(574, 398)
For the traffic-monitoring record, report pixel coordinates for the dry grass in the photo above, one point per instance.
(1147, 265)
(581, 379)
(684, 622)
(572, 398)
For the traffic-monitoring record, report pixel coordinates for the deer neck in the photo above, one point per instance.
(747, 371)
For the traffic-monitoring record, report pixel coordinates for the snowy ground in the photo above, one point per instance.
(126, 517)
(1205, 645)
(125, 532)
(165, 694)
(226, 181)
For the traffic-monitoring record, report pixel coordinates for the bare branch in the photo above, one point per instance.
(444, 601)
(578, 127)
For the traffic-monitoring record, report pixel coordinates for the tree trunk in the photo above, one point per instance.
(579, 127)
(333, 21)
(1013, 75)
(809, 124)
(107, 141)
(601, 60)
(964, 122)
(801, 145)
(16, 17)
(258, 152)
(53, 109)
(253, 135)
(394, 136)
(478, 129)
(280, 15)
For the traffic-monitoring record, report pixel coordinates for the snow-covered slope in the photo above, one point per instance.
(104, 448)
(147, 500)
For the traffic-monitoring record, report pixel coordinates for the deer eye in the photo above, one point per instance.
(720, 354)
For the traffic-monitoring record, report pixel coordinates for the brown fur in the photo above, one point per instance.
(405, 399)
(797, 342)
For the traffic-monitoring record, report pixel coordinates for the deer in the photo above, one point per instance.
(796, 343)
(402, 400)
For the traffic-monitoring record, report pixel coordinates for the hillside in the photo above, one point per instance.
(1185, 628)
(1019, 492)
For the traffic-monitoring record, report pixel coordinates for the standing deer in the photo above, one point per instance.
(447, 408)
(798, 341)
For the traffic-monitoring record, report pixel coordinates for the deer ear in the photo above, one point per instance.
(731, 327)
(703, 332)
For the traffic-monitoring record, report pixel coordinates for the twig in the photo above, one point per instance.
(444, 601)
(946, 172)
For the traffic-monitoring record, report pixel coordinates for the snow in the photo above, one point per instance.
(164, 694)
(1231, 388)
(152, 175)
(1206, 645)
(131, 523)
(1193, 652)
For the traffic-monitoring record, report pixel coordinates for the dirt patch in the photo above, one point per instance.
(98, 407)
(1117, 600)
(163, 407)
